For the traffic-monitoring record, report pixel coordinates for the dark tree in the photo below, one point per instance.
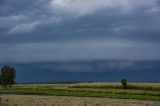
(8, 75)
(124, 83)
(0, 80)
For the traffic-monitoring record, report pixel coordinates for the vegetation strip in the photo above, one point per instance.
(75, 93)
(129, 86)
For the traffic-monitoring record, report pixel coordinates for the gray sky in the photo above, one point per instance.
(67, 30)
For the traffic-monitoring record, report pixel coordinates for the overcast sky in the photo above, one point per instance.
(66, 30)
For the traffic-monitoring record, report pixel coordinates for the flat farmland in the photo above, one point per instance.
(81, 94)
(105, 85)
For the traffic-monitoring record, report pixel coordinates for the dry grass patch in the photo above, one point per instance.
(30, 100)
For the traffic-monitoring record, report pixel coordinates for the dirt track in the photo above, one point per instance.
(30, 100)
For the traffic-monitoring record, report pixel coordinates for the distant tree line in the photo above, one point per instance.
(60, 82)
(7, 76)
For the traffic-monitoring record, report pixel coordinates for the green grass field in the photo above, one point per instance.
(140, 91)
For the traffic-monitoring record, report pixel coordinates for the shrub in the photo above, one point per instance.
(124, 83)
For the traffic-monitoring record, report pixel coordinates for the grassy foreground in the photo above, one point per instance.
(103, 90)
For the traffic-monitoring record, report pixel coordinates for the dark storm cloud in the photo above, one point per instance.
(64, 30)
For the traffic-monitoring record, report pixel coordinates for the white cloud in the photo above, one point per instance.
(84, 7)
(123, 28)
(23, 28)
(12, 20)
(26, 21)
(31, 24)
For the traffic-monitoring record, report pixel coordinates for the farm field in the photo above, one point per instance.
(33, 100)
(139, 91)
(101, 85)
